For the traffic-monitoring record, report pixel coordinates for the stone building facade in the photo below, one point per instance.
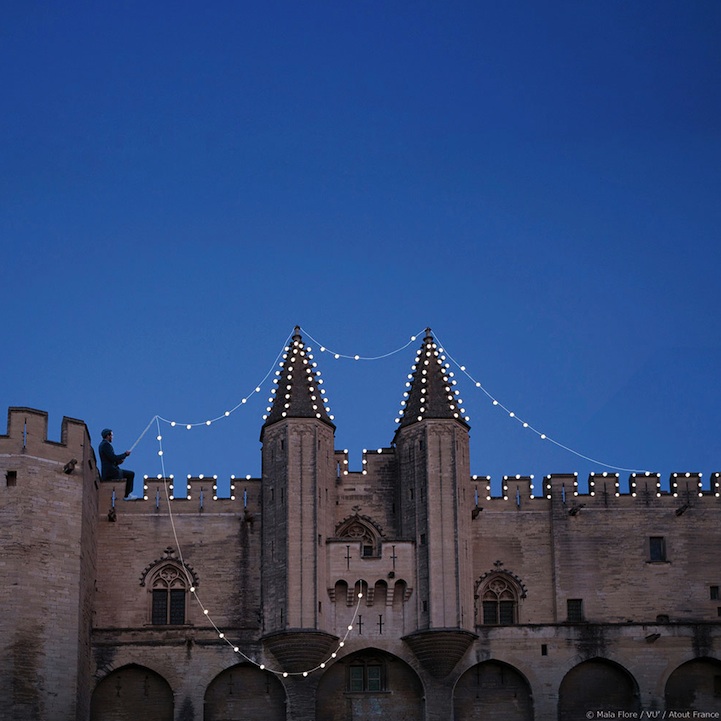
(402, 591)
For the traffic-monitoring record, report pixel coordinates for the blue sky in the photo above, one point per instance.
(540, 183)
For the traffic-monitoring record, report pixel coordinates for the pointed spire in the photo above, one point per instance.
(431, 389)
(298, 391)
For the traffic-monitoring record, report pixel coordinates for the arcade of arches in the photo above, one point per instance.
(373, 684)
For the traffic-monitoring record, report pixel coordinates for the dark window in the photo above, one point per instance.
(168, 598)
(160, 607)
(365, 678)
(574, 610)
(714, 593)
(11, 478)
(499, 603)
(367, 550)
(717, 685)
(177, 606)
(657, 548)
(544, 649)
(423, 539)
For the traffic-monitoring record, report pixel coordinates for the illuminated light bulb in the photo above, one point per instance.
(192, 589)
(245, 400)
(236, 649)
(305, 673)
(495, 403)
(333, 655)
(322, 349)
(380, 450)
(205, 611)
(159, 438)
(172, 423)
(341, 644)
(356, 357)
(221, 635)
(207, 423)
(350, 628)
(512, 414)
(478, 385)
(543, 436)
(413, 337)
(188, 426)
(285, 674)
(257, 390)
(463, 368)
(322, 664)
(262, 667)
(337, 356)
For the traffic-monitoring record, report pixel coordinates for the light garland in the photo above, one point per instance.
(432, 350)
(206, 612)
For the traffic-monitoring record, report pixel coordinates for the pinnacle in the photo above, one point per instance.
(298, 388)
(431, 389)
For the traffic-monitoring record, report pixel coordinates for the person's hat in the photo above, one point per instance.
(106, 432)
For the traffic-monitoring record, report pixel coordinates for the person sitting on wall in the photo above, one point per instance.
(110, 465)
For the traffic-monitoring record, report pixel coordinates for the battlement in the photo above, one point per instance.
(601, 489)
(27, 433)
(196, 494)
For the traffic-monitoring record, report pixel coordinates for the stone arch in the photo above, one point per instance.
(493, 691)
(497, 597)
(245, 693)
(369, 684)
(694, 686)
(130, 693)
(595, 685)
(363, 530)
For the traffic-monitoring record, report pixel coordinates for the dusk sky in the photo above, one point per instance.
(538, 182)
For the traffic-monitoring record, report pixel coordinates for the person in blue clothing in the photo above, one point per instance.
(110, 465)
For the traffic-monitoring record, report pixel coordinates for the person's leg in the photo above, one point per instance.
(129, 481)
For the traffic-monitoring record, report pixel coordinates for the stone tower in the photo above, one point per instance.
(434, 495)
(298, 487)
(48, 533)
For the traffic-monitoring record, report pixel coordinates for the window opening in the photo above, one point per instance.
(499, 603)
(366, 677)
(657, 548)
(168, 597)
(574, 610)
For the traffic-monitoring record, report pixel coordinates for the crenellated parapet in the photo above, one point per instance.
(606, 489)
(197, 495)
(27, 434)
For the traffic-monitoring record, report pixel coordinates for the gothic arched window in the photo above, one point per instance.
(169, 591)
(499, 602)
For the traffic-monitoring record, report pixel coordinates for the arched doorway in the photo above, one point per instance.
(244, 693)
(596, 685)
(492, 691)
(370, 684)
(695, 686)
(131, 693)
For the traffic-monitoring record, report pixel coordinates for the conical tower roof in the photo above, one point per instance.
(430, 390)
(297, 391)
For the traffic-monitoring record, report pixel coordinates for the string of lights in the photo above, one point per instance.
(337, 356)
(157, 419)
(206, 611)
(524, 424)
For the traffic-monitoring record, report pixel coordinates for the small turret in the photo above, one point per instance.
(297, 490)
(297, 392)
(431, 389)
